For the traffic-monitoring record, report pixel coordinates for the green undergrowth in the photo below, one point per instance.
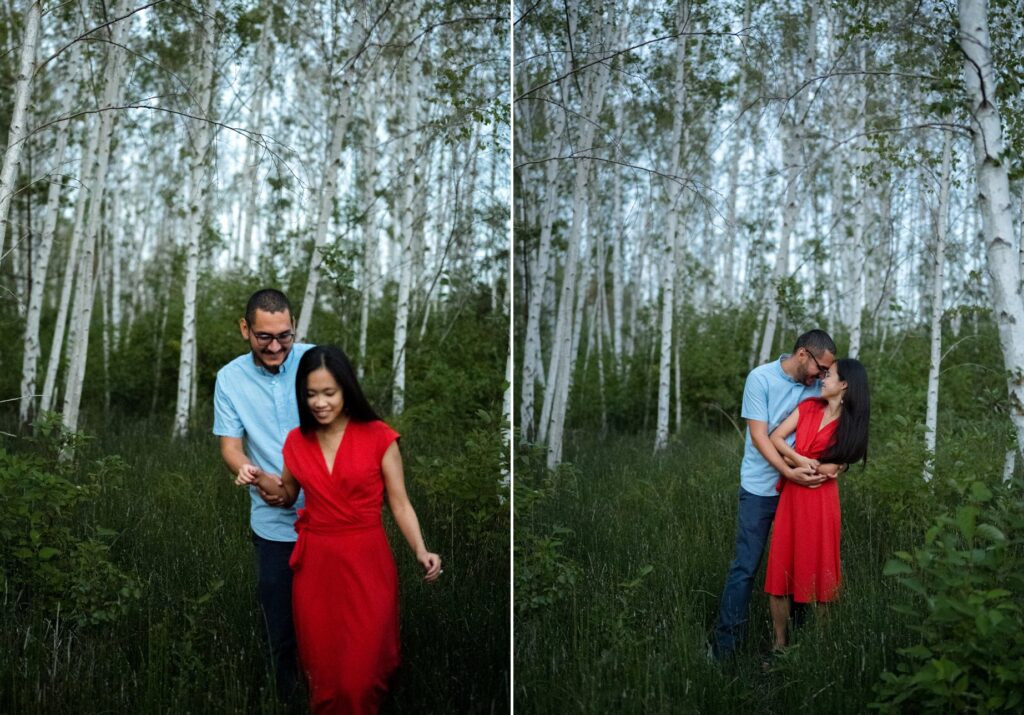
(621, 556)
(171, 623)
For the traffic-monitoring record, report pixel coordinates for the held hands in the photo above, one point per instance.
(806, 476)
(251, 474)
(431, 564)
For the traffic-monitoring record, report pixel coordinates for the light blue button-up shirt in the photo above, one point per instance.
(252, 403)
(770, 395)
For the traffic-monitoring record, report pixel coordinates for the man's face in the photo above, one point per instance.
(813, 366)
(270, 337)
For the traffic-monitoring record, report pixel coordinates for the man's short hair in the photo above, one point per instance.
(816, 341)
(268, 300)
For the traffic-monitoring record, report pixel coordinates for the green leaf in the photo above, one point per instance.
(896, 568)
(47, 552)
(991, 533)
(979, 492)
(966, 517)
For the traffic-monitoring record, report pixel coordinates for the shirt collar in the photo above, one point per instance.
(283, 370)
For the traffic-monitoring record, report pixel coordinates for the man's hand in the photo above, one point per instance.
(806, 477)
(270, 499)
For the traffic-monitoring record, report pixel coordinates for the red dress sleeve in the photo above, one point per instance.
(385, 435)
(291, 444)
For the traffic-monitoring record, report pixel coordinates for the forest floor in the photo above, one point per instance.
(193, 641)
(650, 539)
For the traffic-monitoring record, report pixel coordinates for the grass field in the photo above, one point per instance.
(192, 642)
(651, 538)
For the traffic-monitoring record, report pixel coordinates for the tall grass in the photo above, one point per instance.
(653, 537)
(194, 642)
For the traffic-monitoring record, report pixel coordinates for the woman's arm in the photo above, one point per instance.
(405, 515)
(778, 438)
(283, 488)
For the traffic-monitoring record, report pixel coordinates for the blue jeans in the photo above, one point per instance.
(274, 590)
(753, 524)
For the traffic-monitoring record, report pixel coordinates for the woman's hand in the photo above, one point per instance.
(802, 461)
(247, 474)
(431, 564)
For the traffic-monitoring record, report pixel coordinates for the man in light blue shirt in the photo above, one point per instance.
(771, 393)
(254, 409)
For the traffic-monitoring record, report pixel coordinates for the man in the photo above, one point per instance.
(253, 411)
(771, 393)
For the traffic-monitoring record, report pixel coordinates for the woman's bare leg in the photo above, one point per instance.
(779, 606)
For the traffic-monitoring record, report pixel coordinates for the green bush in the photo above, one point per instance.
(966, 585)
(51, 564)
(544, 574)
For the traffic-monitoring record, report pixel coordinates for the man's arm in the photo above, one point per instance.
(237, 460)
(800, 475)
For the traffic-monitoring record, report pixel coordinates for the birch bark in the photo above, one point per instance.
(994, 200)
(19, 131)
(560, 366)
(938, 278)
(264, 58)
(407, 241)
(85, 284)
(201, 134)
(671, 249)
(30, 360)
(342, 116)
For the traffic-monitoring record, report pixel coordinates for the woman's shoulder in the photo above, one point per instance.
(294, 436)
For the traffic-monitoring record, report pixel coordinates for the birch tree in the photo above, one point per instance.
(201, 132)
(994, 200)
(18, 132)
(671, 239)
(938, 279)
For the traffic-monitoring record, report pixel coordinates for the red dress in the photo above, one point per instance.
(803, 559)
(344, 585)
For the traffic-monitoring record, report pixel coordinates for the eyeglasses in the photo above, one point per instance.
(821, 370)
(265, 339)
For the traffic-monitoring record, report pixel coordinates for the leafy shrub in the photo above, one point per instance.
(966, 585)
(544, 574)
(46, 562)
(472, 482)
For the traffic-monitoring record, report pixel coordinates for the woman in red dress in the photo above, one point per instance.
(345, 585)
(803, 558)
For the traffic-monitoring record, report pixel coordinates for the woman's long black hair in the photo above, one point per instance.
(337, 363)
(851, 439)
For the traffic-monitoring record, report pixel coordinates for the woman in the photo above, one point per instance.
(345, 585)
(803, 559)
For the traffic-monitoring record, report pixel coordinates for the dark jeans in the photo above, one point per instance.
(274, 590)
(753, 524)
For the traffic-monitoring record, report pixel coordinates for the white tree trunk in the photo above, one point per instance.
(671, 250)
(369, 226)
(938, 278)
(342, 116)
(791, 154)
(201, 134)
(264, 58)
(532, 360)
(560, 366)
(85, 284)
(19, 131)
(407, 240)
(994, 200)
(30, 361)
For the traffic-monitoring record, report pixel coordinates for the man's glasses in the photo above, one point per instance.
(821, 370)
(265, 339)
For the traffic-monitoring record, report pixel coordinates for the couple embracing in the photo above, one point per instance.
(807, 421)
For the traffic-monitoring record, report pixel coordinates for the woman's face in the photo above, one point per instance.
(324, 396)
(831, 385)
